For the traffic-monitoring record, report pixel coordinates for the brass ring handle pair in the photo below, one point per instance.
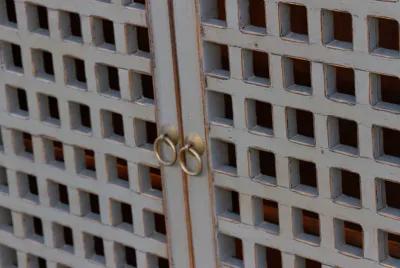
(188, 148)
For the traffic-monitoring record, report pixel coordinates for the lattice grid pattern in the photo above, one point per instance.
(302, 100)
(80, 186)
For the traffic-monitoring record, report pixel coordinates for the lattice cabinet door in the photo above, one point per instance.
(299, 112)
(86, 86)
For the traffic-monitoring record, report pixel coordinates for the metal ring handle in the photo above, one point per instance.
(199, 166)
(157, 146)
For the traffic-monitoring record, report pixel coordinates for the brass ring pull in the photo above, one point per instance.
(182, 162)
(157, 146)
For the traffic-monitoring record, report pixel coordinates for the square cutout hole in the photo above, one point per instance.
(54, 153)
(228, 204)
(385, 93)
(58, 194)
(266, 214)
(216, 60)
(121, 215)
(48, 107)
(269, 257)
(297, 75)
(387, 147)
(117, 170)
(306, 226)
(85, 162)
(17, 101)
(11, 259)
(256, 67)
(94, 248)
(125, 256)
(6, 222)
(33, 228)
(346, 187)
(350, 238)
(337, 29)
(220, 108)
(8, 14)
(11, 56)
(262, 166)
(137, 40)
(142, 87)
(103, 33)
(108, 80)
(155, 225)
(390, 147)
(230, 250)
(384, 36)
(89, 205)
(37, 18)
(340, 84)
(28, 187)
(388, 199)
(224, 156)
(253, 18)
(300, 126)
(145, 133)
(70, 25)
(43, 64)
(151, 180)
(132, 34)
(23, 145)
(213, 12)
(293, 22)
(259, 117)
(343, 135)
(80, 117)
(113, 126)
(303, 175)
(75, 74)
(390, 243)
(63, 237)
